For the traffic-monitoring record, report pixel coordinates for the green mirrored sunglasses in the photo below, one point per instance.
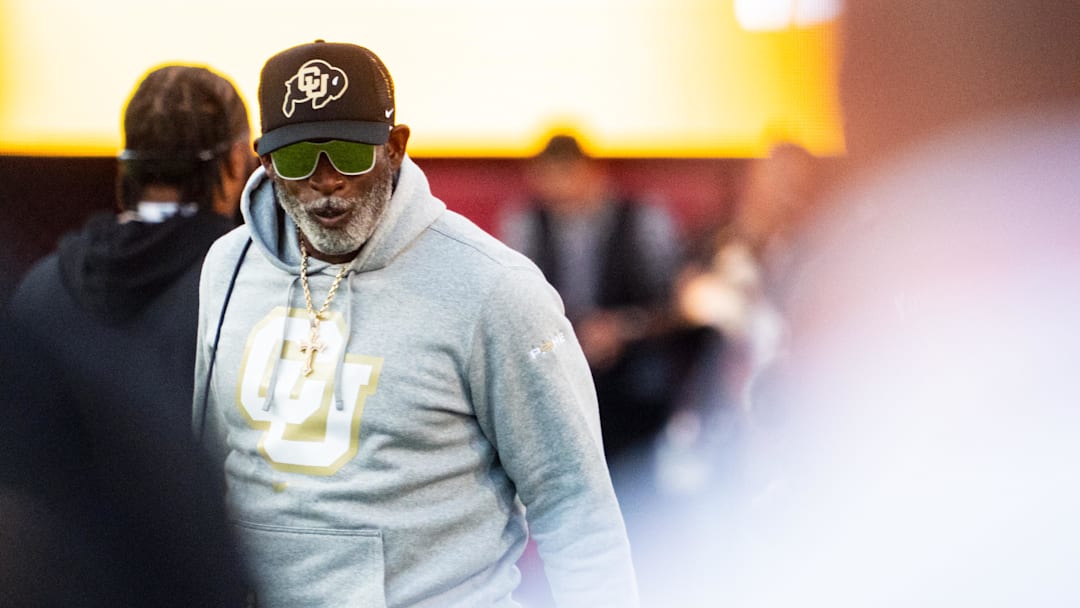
(298, 161)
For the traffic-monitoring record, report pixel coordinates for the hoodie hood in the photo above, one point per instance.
(114, 269)
(411, 209)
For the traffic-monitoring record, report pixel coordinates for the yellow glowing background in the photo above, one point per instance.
(670, 78)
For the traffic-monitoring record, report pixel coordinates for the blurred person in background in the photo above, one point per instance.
(612, 259)
(106, 500)
(927, 413)
(738, 289)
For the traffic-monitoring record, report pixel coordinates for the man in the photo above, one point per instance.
(392, 390)
(127, 282)
(99, 455)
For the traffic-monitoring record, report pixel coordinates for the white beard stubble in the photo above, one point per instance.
(366, 211)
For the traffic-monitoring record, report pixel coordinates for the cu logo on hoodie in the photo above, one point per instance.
(316, 82)
(308, 424)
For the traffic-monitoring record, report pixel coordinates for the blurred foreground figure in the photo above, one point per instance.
(103, 498)
(923, 447)
(127, 283)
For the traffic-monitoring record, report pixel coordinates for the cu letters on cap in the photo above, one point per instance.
(317, 82)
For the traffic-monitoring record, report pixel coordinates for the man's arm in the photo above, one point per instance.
(535, 399)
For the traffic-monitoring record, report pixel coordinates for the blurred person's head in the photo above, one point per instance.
(565, 178)
(187, 138)
(779, 190)
(913, 68)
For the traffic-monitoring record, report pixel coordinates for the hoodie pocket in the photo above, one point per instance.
(330, 568)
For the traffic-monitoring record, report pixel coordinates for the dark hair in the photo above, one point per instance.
(562, 147)
(179, 125)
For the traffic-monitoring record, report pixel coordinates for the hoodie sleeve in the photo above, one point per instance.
(535, 400)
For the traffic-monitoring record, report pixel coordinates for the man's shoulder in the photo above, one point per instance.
(226, 249)
(460, 236)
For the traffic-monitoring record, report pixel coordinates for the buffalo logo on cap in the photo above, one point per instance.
(317, 82)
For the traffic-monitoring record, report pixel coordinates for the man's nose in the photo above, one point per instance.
(326, 178)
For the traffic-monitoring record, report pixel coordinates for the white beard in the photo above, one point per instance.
(366, 211)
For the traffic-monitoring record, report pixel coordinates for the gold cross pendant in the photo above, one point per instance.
(311, 347)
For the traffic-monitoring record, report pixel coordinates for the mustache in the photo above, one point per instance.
(330, 205)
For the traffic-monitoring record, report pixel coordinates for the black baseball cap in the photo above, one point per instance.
(324, 90)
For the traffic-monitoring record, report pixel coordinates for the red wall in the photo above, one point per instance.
(698, 191)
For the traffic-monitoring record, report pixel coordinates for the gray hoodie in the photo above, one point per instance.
(450, 403)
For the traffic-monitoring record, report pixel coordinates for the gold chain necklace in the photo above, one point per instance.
(313, 345)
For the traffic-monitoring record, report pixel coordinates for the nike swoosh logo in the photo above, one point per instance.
(389, 112)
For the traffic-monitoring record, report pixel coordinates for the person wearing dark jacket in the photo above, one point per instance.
(101, 453)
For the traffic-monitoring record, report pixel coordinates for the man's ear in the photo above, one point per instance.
(396, 145)
(267, 164)
(235, 168)
(264, 159)
(239, 164)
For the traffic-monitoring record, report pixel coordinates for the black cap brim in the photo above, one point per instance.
(375, 133)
